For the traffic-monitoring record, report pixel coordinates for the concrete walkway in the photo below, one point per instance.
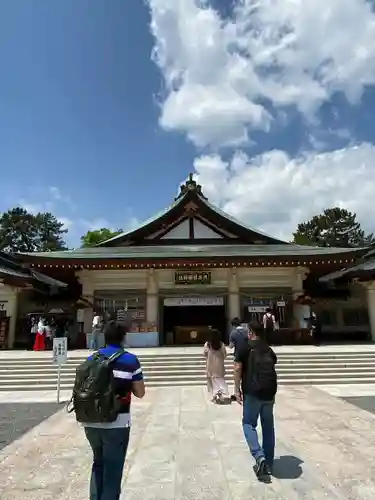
(185, 448)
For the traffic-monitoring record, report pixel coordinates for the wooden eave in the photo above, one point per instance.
(332, 261)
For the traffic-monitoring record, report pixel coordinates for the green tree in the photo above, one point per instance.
(335, 227)
(92, 238)
(22, 231)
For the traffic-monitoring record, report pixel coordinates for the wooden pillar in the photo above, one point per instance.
(9, 300)
(371, 307)
(300, 311)
(152, 298)
(234, 306)
(88, 294)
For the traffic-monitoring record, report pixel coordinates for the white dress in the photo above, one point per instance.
(215, 370)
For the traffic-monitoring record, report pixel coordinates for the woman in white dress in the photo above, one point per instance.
(215, 353)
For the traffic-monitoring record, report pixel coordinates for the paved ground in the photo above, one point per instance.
(185, 448)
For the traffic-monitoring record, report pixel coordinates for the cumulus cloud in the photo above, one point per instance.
(275, 192)
(226, 77)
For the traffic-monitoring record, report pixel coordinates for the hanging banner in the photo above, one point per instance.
(192, 278)
(193, 301)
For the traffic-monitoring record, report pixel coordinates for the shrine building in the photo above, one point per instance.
(192, 267)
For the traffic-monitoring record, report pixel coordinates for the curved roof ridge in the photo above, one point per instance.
(240, 223)
(188, 187)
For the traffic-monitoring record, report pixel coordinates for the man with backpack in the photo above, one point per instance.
(255, 381)
(101, 400)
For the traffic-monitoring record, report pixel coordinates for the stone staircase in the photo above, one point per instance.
(188, 369)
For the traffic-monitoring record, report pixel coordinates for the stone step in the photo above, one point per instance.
(198, 365)
(195, 382)
(193, 375)
(185, 360)
(26, 373)
(321, 356)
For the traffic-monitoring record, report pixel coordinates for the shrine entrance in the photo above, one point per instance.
(187, 320)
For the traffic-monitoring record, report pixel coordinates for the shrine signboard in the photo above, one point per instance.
(192, 278)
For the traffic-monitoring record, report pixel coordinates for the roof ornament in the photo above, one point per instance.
(190, 185)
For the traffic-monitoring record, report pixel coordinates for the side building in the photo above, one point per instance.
(18, 280)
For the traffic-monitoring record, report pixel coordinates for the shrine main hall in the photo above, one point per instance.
(193, 267)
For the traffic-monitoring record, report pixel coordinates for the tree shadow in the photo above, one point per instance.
(287, 467)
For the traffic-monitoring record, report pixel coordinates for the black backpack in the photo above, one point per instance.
(94, 399)
(262, 376)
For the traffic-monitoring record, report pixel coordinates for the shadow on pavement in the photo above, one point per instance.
(287, 467)
(18, 418)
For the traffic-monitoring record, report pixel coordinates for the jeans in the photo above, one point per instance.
(109, 447)
(95, 339)
(253, 408)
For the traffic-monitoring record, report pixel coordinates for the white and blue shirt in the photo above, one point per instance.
(126, 370)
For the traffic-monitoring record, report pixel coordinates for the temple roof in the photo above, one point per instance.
(364, 269)
(191, 251)
(191, 208)
(11, 268)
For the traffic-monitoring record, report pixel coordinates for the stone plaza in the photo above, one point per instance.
(184, 447)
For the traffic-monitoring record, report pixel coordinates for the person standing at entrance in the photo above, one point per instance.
(40, 342)
(269, 323)
(255, 381)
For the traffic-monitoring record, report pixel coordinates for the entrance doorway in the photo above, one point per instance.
(188, 320)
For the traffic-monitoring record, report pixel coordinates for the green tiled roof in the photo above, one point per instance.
(11, 272)
(191, 251)
(239, 223)
(143, 224)
(179, 200)
(367, 266)
(10, 265)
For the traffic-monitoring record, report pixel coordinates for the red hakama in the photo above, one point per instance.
(40, 343)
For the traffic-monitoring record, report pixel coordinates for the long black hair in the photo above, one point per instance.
(215, 339)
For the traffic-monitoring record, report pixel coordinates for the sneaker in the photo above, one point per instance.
(261, 470)
(269, 468)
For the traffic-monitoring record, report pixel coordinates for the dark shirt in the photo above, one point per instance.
(238, 337)
(243, 356)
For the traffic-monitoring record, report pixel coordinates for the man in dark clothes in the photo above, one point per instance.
(238, 339)
(238, 336)
(255, 382)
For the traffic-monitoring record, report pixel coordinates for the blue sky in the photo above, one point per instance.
(99, 132)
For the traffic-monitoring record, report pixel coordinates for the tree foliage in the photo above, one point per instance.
(335, 227)
(22, 231)
(92, 238)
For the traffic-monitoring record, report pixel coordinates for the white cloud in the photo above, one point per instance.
(219, 73)
(274, 192)
(226, 77)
